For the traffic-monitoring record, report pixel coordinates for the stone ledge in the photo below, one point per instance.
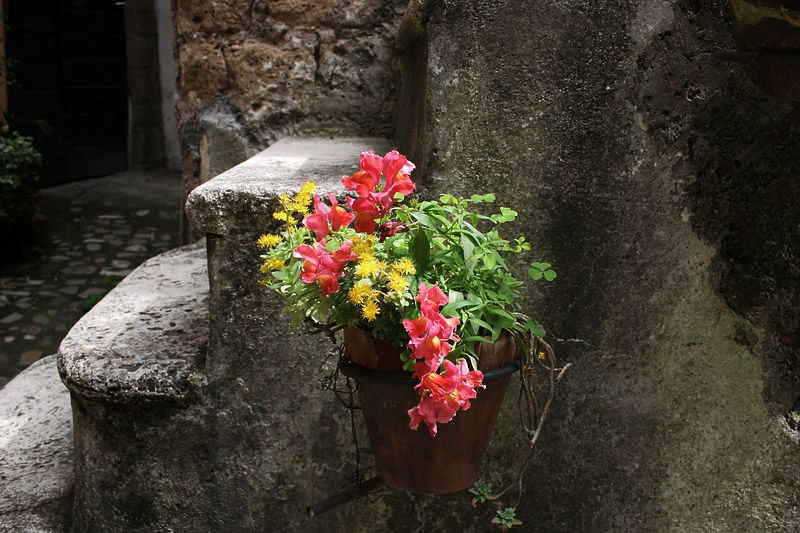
(36, 452)
(244, 196)
(146, 340)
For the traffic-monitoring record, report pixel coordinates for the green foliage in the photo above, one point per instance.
(481, 491)
(506, 518)
(449, 244)
(20, 164)
(91, 300)
(541, 270)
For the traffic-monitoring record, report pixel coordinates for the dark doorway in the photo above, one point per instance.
(69, 62)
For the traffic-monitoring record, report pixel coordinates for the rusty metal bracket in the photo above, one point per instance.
(345, 496)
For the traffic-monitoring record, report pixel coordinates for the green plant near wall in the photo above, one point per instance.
(20, 165)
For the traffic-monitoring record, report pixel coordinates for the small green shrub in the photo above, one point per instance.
(20, 165)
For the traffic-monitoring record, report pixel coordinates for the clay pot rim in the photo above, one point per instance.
(367, 375)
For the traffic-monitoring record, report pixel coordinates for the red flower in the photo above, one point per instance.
(322, 266)
(443, 395)
(391, 227)
(374, 201)
(339, 217)
(430, 331)
(318, 222)
(372, 164)
(395, 163)
(361, 182)
(366, 213)
(430, 298)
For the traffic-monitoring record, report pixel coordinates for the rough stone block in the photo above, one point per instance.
(245, 196)
(203, 69)
(36, 474)
(146, 339)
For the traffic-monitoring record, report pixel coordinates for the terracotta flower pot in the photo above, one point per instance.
(412, 460)
(772, 29)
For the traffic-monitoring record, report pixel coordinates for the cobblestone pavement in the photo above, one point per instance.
(96, 232)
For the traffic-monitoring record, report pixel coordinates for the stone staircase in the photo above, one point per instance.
(194, 406)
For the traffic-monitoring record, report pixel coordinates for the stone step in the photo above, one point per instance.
(134, 366)
(146, 340)
(36, 471)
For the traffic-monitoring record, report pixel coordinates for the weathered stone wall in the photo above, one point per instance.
(612, 129)
(251, 72)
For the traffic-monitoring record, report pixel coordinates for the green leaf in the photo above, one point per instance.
(505, 215)
(541, 270)
(508, 214)
(448, 310)
(421, 250)
(481, 324)
(506, 518)
(535, 328)
(468, 247)
(482, 492)
(500, 318)
(424, 220)
(454, 296)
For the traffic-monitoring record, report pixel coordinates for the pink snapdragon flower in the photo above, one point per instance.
(361, 182)
(366, 212)
(442, 395)
(430, 331)
(322, 266)
(338, 217)
(374, 201)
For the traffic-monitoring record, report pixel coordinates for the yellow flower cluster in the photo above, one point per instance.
(269, 240)
(301, 203)
(369, 266)
(370, 310)
(405, 266)
(286, 217)
(397, 282)
(397, 275)
(360, 293)
(364, 295)
(363, 247)
(273, 263)
(304, 197)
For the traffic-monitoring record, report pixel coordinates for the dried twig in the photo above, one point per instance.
(537, 351)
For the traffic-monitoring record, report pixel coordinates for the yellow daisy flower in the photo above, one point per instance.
(405, 266)
(269, 240)
(359, 293)
(273, 263)
(397, 282)
(363, 247)
(369, 266)
(370, 310)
